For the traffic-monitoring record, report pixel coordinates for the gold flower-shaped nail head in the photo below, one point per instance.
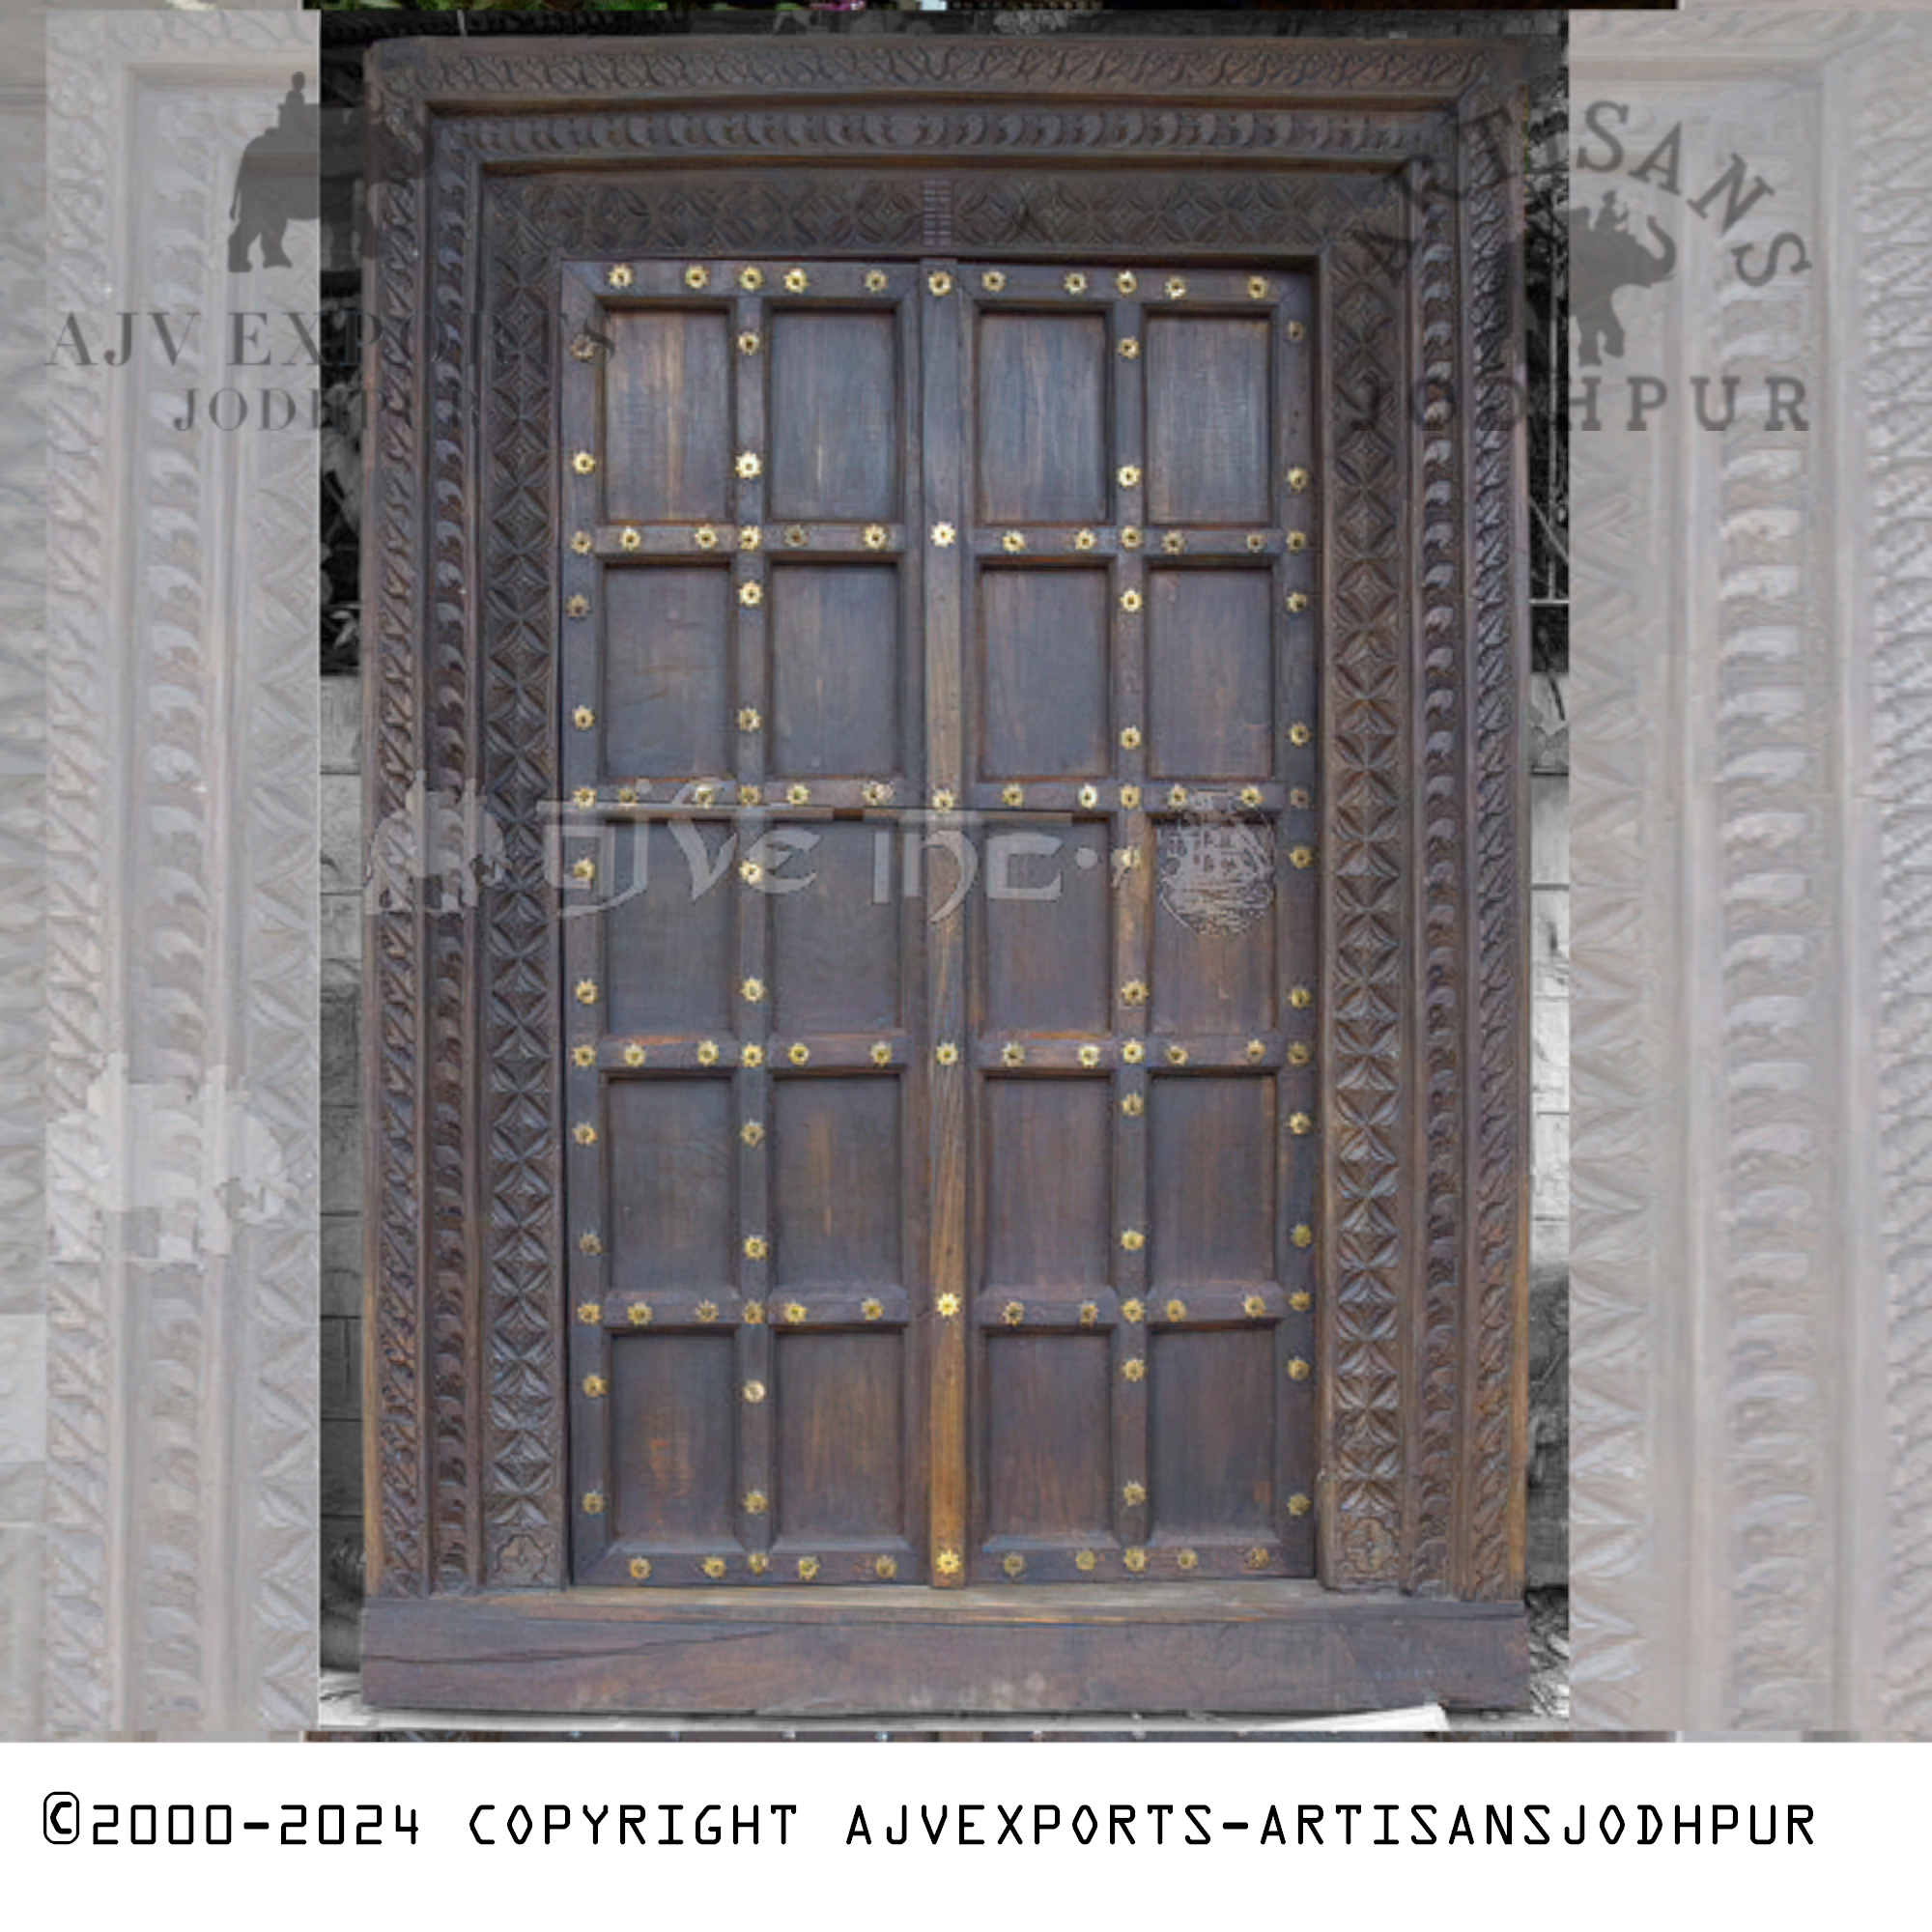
(1300, 1123)
(583, 349)
(754, 1313)
(1301, 857)
(1258, 288)
(749, 464)
(748, 342)
(1012, 1054)
(591, 1244)
(943, 536)
(590, 1312)
(750, 795)
(696, 277)
(875, 281)
(632, 540)
(582, 543)
(586, 992)
(583, 718)
(707, 1053)
(1186, 1559)
(1014, 542)
(1297, 540)
(992, 281)
(1297, 601)
(1174, 542)
(1134, 1494)
(638, 1315)
(1303, 1235)
(795, 536)
(583, 463)
(713, 1566)
(749, 280)
(753, 990)
(882, 1054)
(1131, 1309)
(949, 1563)
(752, 1133)
(577, 607)
(1254, 1307)
(943, 799)
(621, 276)
(1089, 1055)
(751, 595)
(1129, 346)
(584, 1056)
(1132, 1239)
(1176, 288)
(1258, 1557)
(1176, 797)
(1084, 540)
(798, 794)
(704, 537)
(1135, 1560)
(628, 794)
(1130, 738)
(939, 283)
(1089, 796)
(875, 537)
(1126, 282)
(946, 1307)
(640, 1568)
(1089, 1313)
(1297, 1369)
(1130, 601)
(885, 1567)
(1012, 794)
(706, 1311)
(1130, 797)
(755, 1502)
(1251, 797)
(1296, 330)
(583, 797)
(797, 281)
(1129, 475)
(1177, 1056)
(798, 1053)
(748, 719)
(1084, 1560)
(1134, 993)
(1257, 541)
(876, 791)
(752, 1055)
(1130, 537)
(1299, 998)
(1013, 1314)
(593, 1503)
(947, 1054)
(1255, 1049)
(634, 1054)
(1298, 1505)
(753, 1393)
(757, 1563)
(1298, 1054)
(871, 1308)
(1132, 1052)
(1076, 283)
(756, 1248)
(1177, 1310)
(1133, 1105)
(1297, 480)
(1014, 1564)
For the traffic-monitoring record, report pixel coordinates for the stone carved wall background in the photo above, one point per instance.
(1751, 1286)
(181, 918)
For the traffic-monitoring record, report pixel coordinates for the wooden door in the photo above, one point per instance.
(937, 696)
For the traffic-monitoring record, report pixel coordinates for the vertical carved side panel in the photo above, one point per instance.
(182, 930)
(1749, 1283)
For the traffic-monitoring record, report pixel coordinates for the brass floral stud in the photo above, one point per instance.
(638, 1315)
(949, 1563)
(593, 1503)
(595, 1386)
(1130, 601)
(1135, 1560)
(590, 1312)
(1254, 1307)
(797, 281)
(640, 1568)
(939, 283)
(749, 464)
(1129, 475)
(1133, 1369)
(1089, 1055)
(1131, 1310)
(1303, 1235)
(875, 537)
(1176, 288)
(634, 1054)
(1130, 347)
(631, 539)
(947, 1306)
(875, 281)
(621, 276)
(943, 536)
(1126, 282)
(1013, 1314)
(1134, 1494)
(748, 342)
(751, 595)
(582, 543)
(1074, 283)
(750, 279)
(808, 1569)
(992, 281)
(752, 1133)
(696, 277)
(1014, 542)
(577, 607)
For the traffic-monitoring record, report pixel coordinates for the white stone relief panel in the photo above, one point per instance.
(182, 932)
(1751, 1409)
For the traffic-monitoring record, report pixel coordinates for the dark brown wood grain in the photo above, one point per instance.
(1404, 930)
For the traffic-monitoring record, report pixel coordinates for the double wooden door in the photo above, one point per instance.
(940, 949)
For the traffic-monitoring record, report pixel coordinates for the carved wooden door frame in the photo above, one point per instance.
(1391, 172)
